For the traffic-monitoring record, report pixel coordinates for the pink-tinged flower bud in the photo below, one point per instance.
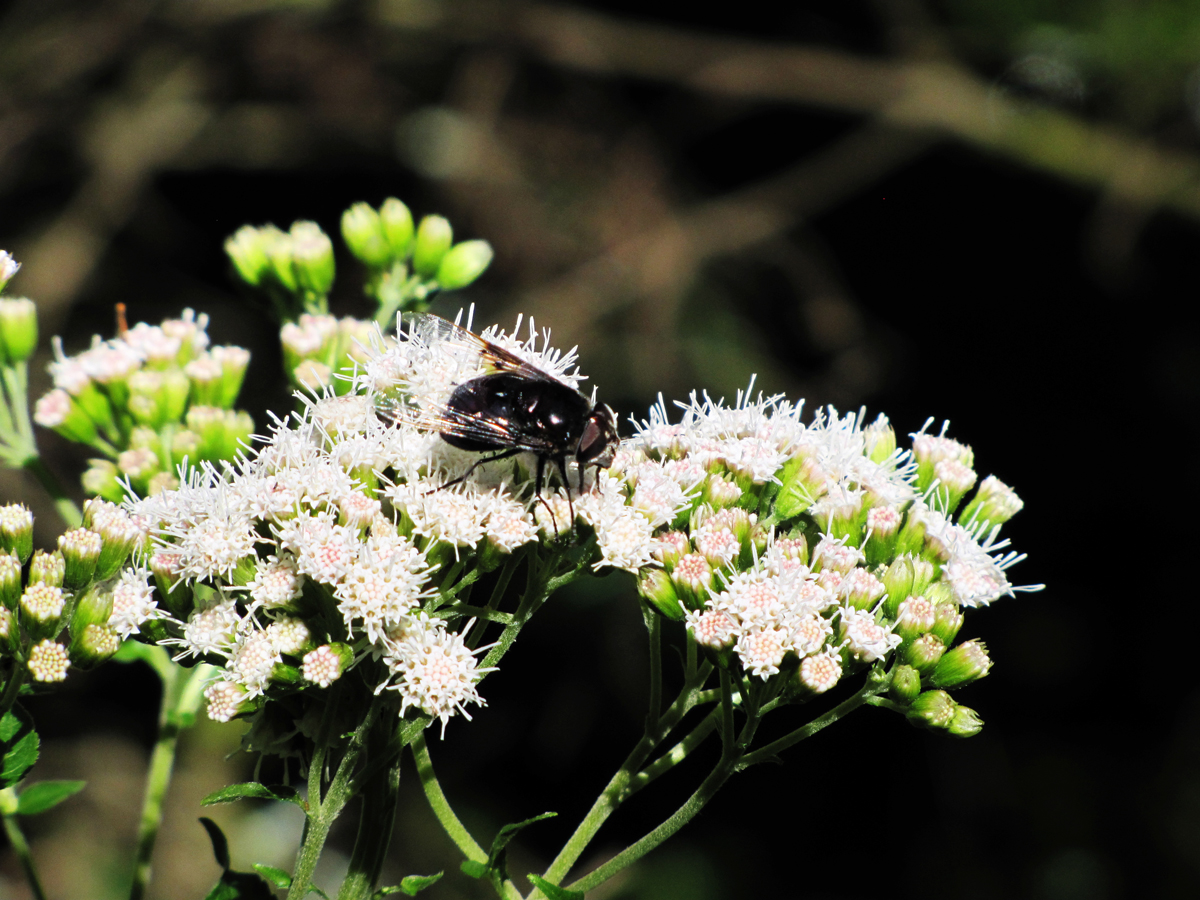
(860, 589)
(929, 450)
(656, 587)
(954, 480)
(18, 329)
(720, 492)
(313, 376)
(47, 568)
(883, 525)
(95, 644)
(933, 709)
(434, 237)
(692, 576)
(58, 411)
(16, 530)
(80, 550)
(312, 256)
(119, 533)
(818, 673)
(463, 263)
(923, 653)
(961, 665)
(326, 664)
(8, 268)
(398, 228)
(48, 661)
(362, 230)
(965, 722)
(227, 699)
(669, 547)
(993, 504)
(138, 466)
(10, 580)
(906, 684)
(914, 618)
(246, 249)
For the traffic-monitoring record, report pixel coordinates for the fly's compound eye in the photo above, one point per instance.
(599, 442)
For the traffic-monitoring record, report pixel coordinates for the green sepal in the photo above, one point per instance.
(43, 795)
(473, 868)
(553, 891)
(278, 877)
(19, 743)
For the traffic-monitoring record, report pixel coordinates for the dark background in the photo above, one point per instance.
(987, 215)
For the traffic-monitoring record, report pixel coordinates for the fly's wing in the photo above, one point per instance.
(433, 330)
(490, 430)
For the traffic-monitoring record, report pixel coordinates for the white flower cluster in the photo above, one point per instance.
(858, 516)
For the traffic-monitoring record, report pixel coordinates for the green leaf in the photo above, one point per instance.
(156, 657)
(43, 795)
(496, 865)
(553, 891)
(277, 877)
(252, 789)
(220, 844)
(410, 886)
(19, 745)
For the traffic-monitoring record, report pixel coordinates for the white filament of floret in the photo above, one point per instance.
(133, 603)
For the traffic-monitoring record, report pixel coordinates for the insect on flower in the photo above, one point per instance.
(516, 407)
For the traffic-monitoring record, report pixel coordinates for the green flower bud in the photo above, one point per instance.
(246, 249)
(93, 608)
(954, 480)
(185, 444)
(179, 600)
(278, 246)
(10, 580)
(898, 581)
(16, 530)
(802, 482)
(883, 526)
(234, 362)
(655, 586)
(95, 644)
(228, 699)
(312, 254)
(947, 620)
(670, 547)
(880, 440)
(282, 673)
(994, 504)
(42, 609)
(929, 450)
(720, 492)
(138, 466)
(965, 722)
(933, 709)
(173, 397)
(312, 376)
(80, 549)
(10, 633)
(906, 684)
(961, 665)
(18, 329)
(47, 568)
(100, 480)
(397, 226)
(116, 529)
(362, 230)
(434, 236)
(463, 263)
(923, 653)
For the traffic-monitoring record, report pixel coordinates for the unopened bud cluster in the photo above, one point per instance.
(147, 400)
(71, 607)
(806, 551)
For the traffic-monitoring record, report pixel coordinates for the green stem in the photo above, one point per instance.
(769, 751)
(181, 695)
(654, 632)
(377, 817)
(16, 837)
(323, 809)
(675, 755)
(450, 823)
(13, 689)
(652, 839)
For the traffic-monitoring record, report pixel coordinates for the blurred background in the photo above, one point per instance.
(984, 212)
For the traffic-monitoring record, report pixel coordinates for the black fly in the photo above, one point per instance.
(515, 407)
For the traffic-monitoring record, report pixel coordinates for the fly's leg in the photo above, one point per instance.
(465, 475)
(537, 490)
